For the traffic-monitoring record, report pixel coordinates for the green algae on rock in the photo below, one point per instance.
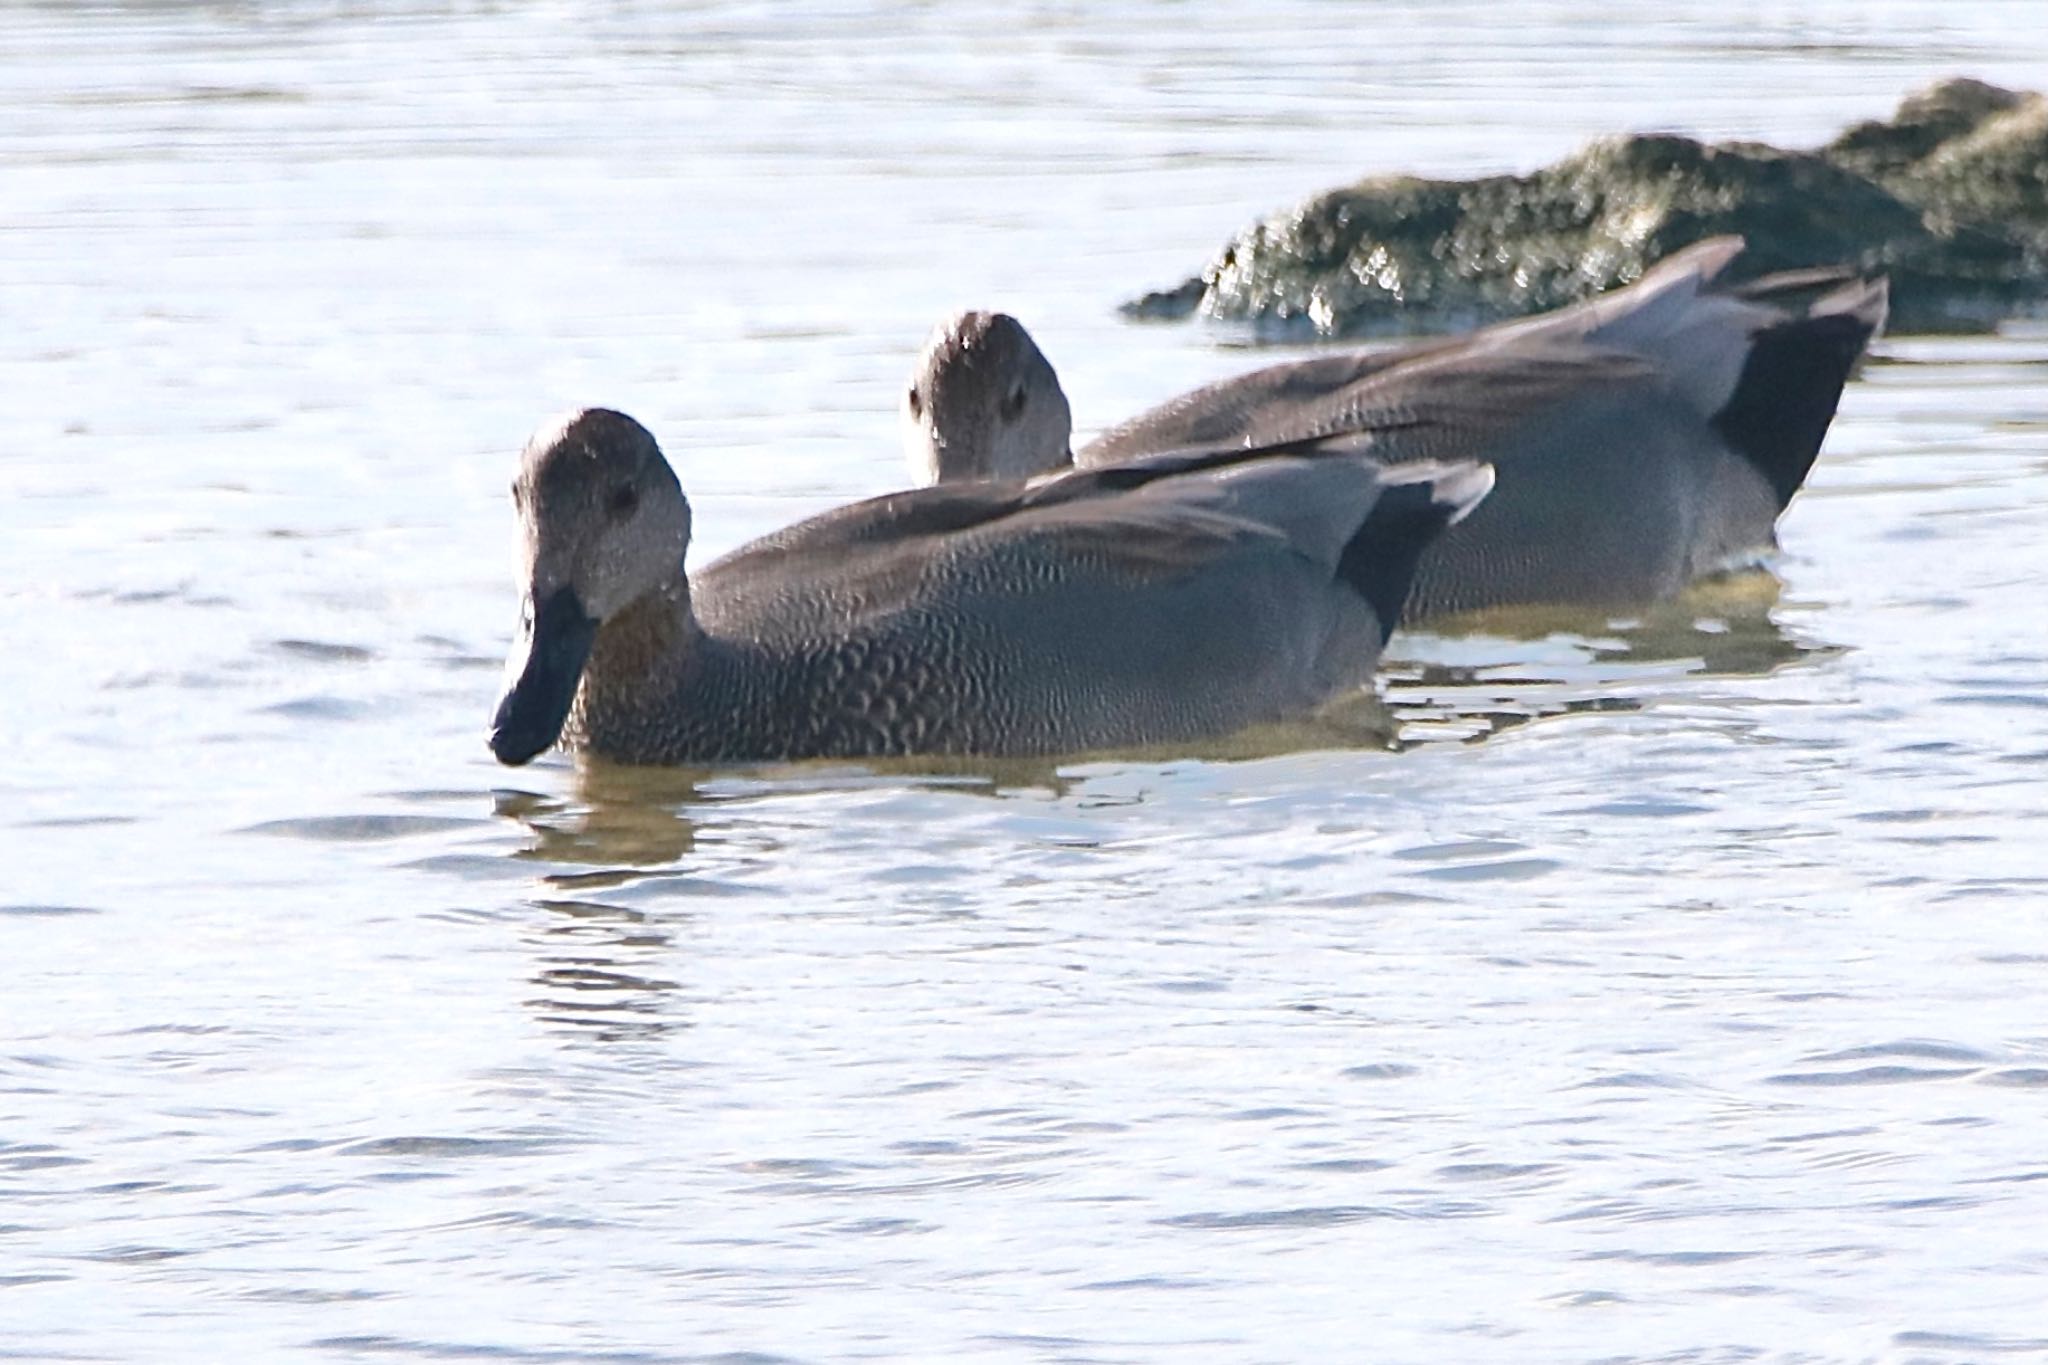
(1950, 198)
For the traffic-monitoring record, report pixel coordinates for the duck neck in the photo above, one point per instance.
(641, 658)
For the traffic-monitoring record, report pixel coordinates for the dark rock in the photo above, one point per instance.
(1950, 198)
(1165, 305)
(1997, 173)
(1882, 149)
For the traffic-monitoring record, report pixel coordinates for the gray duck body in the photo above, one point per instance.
(1172, 600)
(1642, 439)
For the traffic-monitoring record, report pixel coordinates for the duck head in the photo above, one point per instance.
(603, 523)
(984, 403)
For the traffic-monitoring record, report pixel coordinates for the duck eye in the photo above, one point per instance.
(1013, 404)
(915, 401)
(623, 500)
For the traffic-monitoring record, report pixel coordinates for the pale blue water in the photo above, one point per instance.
(1674, 992)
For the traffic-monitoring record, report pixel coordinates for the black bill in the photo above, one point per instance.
(555, 642)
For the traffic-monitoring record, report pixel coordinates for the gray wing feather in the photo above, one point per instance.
(1449, 402)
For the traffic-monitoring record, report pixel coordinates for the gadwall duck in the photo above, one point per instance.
(1643, 439)
(1172, 599)
(984, 403)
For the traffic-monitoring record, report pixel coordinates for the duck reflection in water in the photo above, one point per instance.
(592, 966)
(627, 818)
(1452, 684)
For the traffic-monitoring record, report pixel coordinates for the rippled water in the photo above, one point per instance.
(1658, 989)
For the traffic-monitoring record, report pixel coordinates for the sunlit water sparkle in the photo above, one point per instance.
(1655, 989)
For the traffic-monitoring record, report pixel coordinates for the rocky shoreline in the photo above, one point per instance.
(1949, 197)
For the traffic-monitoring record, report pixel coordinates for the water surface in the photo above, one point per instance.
(1660, 989)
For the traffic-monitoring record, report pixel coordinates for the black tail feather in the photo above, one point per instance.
(1792, 381)
(1379, 560)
